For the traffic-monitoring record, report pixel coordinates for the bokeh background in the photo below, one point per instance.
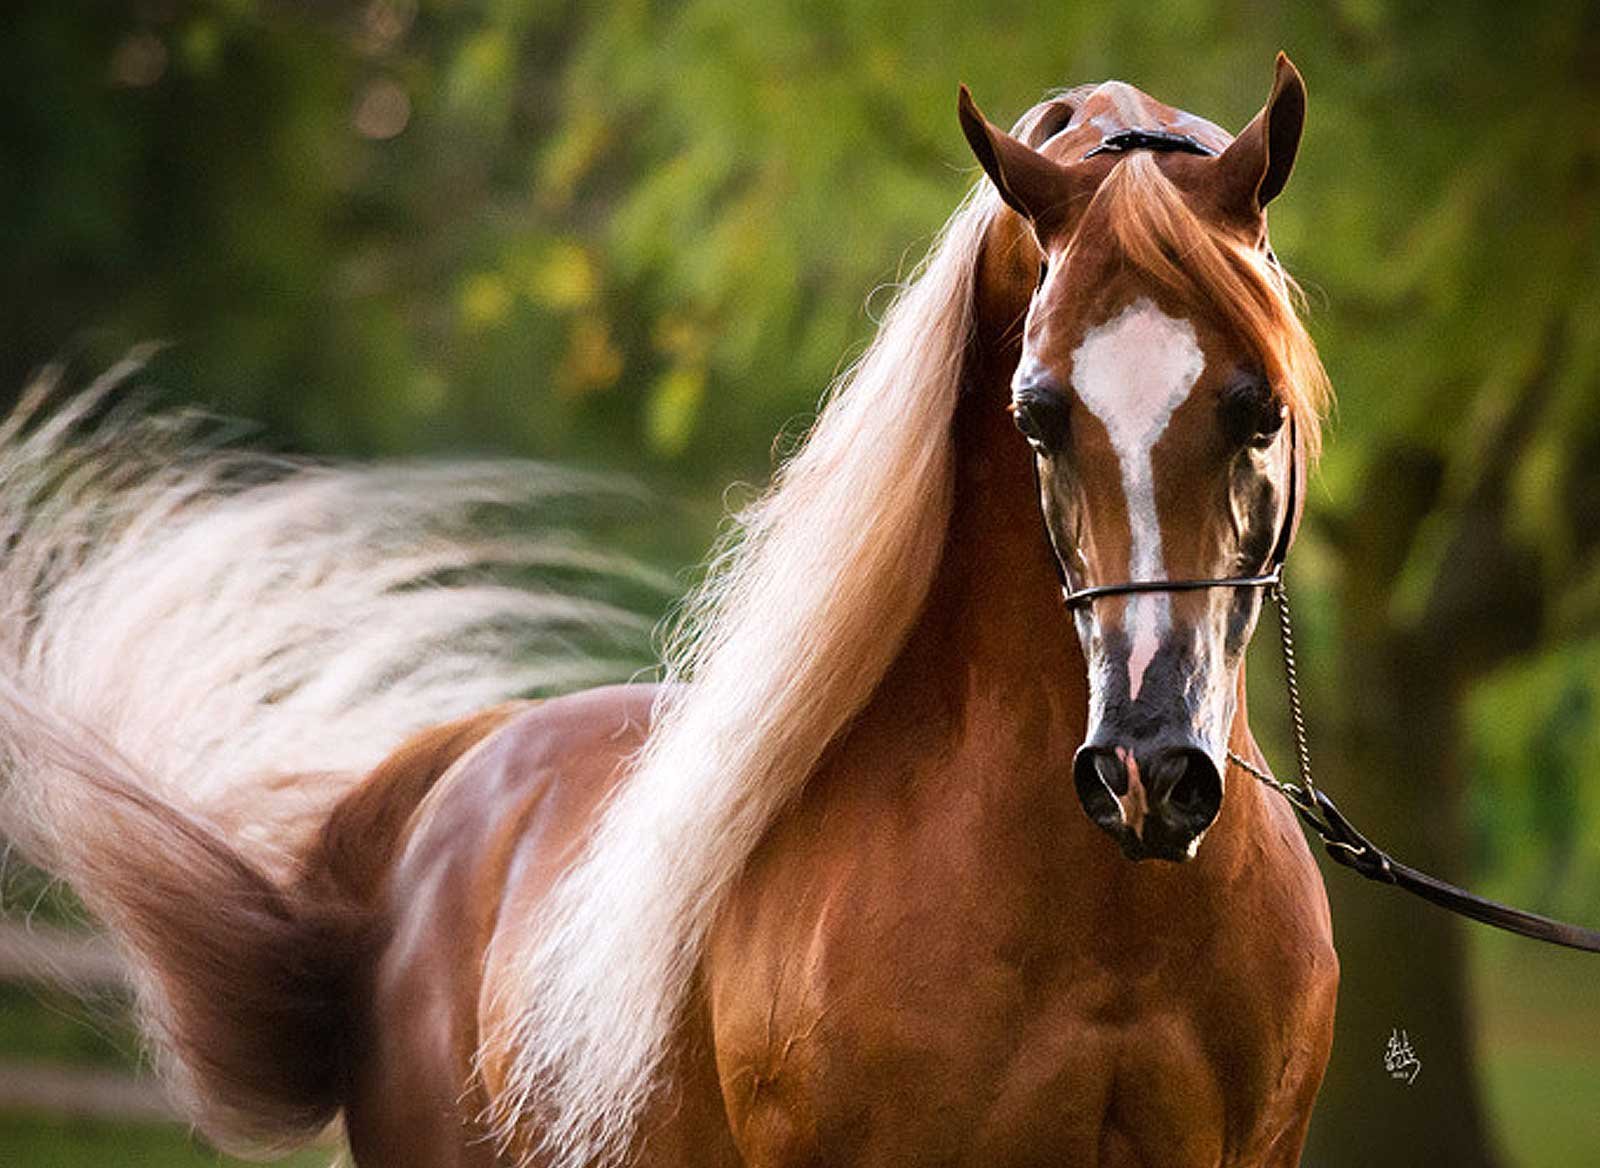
(644, 236)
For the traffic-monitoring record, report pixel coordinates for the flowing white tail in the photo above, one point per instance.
(201, 649)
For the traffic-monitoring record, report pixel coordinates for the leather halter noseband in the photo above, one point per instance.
(1076, 598)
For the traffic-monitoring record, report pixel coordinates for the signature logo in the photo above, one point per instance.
(1399, 1059)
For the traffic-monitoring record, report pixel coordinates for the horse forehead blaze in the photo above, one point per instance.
(1132, 371)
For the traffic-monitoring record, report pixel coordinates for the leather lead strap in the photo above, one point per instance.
(1347, 846)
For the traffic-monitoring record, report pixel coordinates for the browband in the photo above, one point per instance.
(1161, 141)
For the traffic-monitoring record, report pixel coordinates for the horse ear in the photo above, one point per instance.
(1256, 165)
(1032, 185)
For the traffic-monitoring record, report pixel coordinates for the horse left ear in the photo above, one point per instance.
(1256, 165)
(1039, 189)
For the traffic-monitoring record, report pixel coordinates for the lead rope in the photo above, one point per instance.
(1291, 677)
(1347, 846)
(1307, 800)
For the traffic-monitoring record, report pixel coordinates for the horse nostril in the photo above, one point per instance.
(1111, 771)
(1100, 778)
(1188, 793)
(1187, 782)
(1169, 772)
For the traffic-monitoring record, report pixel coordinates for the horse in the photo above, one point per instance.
(908, 859)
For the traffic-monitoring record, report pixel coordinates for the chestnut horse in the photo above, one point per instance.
(827, 894)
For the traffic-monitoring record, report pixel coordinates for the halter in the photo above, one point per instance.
(1161, 141)
(1340, 838)
(1168, 142)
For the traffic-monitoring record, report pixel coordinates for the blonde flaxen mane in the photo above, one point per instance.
(805, 609)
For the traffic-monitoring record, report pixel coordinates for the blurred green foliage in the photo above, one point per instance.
(647, 235)
(57, 1142)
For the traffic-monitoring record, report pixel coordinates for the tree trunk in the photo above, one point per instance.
(1401, 959)
(1391, 758)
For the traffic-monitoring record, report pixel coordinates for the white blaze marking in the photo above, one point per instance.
(1131, 373)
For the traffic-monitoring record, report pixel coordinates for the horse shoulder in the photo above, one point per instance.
(474, 822)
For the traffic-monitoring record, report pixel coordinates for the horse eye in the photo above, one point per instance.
(1042, 418)
(1250, 412)
(1267, 432)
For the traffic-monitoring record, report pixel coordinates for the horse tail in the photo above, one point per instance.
(202, 652)
(242, 983)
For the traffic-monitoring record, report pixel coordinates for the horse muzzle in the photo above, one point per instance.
(1155, 801)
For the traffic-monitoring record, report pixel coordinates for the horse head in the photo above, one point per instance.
(1170, 396)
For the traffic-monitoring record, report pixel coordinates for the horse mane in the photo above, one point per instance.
(1159, 232)
(808, 602)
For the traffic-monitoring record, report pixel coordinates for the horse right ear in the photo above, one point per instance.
(1035, 187)
(1256, 165)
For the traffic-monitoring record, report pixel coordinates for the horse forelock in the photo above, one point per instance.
(1208, 265)
(807, 603)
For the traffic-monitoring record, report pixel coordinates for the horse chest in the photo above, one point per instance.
(896, 1002)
